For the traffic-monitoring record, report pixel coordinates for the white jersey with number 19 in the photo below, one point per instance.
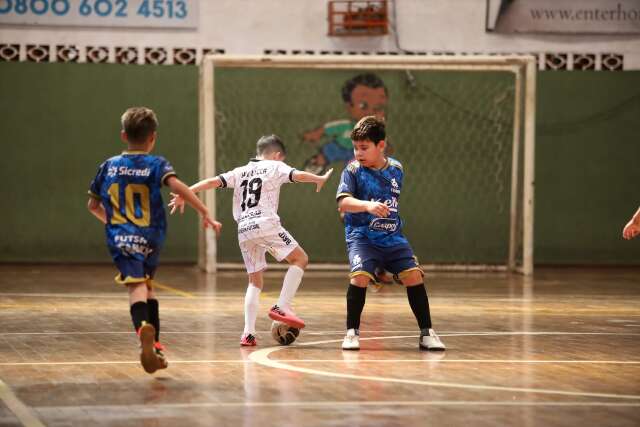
(256, 192)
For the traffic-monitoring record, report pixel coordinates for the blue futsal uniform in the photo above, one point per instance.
(372, 241)
(129, 186)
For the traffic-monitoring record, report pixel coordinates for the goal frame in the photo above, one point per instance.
(524, 68)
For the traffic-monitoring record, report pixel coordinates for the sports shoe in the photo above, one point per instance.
(288, 317)
(163, 363)
(351, 340)
(248, 340)
(148, 358)
(430, 341)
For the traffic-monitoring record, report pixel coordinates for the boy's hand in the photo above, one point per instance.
(378, 209)
(323, 179)
(176, 202)
(208, 222)
(630, 230)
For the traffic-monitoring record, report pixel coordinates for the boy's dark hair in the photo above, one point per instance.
(369, 128)
(270, 144)
(366, 79)
(139, 123)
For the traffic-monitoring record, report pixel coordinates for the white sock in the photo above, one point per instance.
(290, 286)
(251, 305)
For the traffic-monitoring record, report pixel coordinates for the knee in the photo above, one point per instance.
(360, 281)
(137, 292)
(301, 259)
(413, 278)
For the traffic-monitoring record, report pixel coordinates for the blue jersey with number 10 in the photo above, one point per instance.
(129, 188)
(382, 186)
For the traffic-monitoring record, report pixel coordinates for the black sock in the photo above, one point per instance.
(355, 304)
(154, 315)
(139, 314)
(419, 305)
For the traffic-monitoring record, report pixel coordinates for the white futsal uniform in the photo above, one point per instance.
(256, 192)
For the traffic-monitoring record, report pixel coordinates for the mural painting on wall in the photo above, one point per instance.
(363, 95)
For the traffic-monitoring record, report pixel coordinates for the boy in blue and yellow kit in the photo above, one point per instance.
(125, 196)
(369, 194)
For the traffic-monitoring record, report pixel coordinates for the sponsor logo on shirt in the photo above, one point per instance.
(395, 188)
(389, 225)
(248, 227)
(392, 203)
(126, 171)
(132, 244)
(250, 215)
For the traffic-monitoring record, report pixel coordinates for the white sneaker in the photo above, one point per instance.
(430, 341)
(351, 340)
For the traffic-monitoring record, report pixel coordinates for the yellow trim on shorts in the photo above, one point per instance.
(405, 273)
(94, 195)
(129, 280)
(362, 273)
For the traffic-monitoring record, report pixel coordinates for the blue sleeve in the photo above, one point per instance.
(165, 170)
(347, 186)
(96, 183)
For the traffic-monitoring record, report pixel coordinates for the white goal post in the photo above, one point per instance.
(521, 197)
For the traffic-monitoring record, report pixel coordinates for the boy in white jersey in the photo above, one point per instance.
(256, 190)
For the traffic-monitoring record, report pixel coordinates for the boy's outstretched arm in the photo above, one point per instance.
(177, 200)
(318, 180)
(632, 229)
(96, 208)
(180, 189)
(352, 205)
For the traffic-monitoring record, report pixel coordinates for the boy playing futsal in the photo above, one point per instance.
(256, 191)
(369, 194)
(125, 196)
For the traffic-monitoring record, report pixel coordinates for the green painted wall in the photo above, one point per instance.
(587, 174)
(59, 121)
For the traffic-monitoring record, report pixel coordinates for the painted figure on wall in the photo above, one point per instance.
(363, 95)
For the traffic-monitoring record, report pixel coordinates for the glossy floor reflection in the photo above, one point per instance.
(562, 349)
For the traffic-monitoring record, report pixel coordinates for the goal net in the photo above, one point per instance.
(463, 128)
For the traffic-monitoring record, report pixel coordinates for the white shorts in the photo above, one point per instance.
(279, 245)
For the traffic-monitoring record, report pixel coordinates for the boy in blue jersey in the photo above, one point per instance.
(125, 196)
(369, 194)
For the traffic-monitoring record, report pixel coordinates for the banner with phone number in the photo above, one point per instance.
(101, 13)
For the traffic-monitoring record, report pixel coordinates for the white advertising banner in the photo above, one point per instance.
(101, 13)
(564, 16)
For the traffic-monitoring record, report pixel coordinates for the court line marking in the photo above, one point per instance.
(173, 290)
(261, 357)
(22, 412)
(347, 361)
(375, 403)
(443, 334)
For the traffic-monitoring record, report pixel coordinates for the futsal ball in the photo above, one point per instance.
(283, 333)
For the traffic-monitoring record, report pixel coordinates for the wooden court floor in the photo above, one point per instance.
(561, 349)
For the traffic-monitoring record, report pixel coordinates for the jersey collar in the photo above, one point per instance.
(134, 152)
(385, 166)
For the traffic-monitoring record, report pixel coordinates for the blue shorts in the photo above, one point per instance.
(365, 258)
(134, 268)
